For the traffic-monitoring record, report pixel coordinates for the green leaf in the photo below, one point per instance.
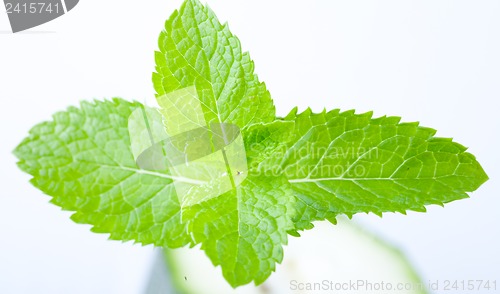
(346, 163)
(196, 50)
(244, 229)
(265, 141)
(83, 159)
(86, 160)
(215, 166)
(240, 217)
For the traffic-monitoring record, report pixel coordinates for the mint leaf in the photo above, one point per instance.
(240, 218)
(346, 163)
(86, 160)
(196, 50)
(213, 165)
(83, 160)
(244, 229)
(265, 141)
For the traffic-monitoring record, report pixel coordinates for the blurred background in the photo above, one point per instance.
(437, 62)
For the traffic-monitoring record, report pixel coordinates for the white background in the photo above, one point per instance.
(433, 61)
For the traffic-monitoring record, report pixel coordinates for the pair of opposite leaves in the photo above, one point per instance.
(299, 168)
